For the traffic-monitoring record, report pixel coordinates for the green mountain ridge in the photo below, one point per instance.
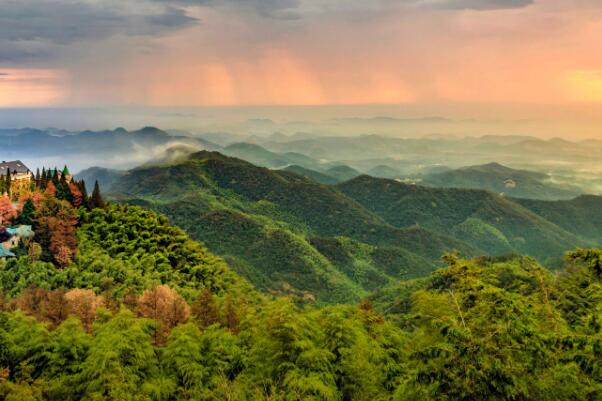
(451, 210)
(580, 216)
(286, 232)
(312, 174)
(226, 202)
(497, 178)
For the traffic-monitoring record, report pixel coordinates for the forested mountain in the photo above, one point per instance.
(343, 172)
(289, 234)
(112, 302)
(317, 176)
(276, 228)
(503, 180)
(580, 216)
(117, 148)
(491, 222)
(104, 176)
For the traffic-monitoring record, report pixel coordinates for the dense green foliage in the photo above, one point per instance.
(317, 176)
(124, 249)
(263, 223)
(140, 312)
(581, 216)
(484, 329)
(501, 179)
(490, 222)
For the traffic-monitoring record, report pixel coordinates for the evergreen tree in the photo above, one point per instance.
(96, 200)
(43, 179)
(37, 177)
(27, 214)
(55, 177)
(82, 188)
(63, 192)
(8, 182)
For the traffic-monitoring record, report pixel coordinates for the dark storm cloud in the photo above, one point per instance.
(39, 30)
(31, 29)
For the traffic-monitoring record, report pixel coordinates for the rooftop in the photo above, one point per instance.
(16, 165)
(5, 252)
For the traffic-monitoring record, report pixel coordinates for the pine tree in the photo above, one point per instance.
(82, 188)
(37, 178)
(96, 200)
(55, 177)
(27, 214)
(43, 179)
(8, 182)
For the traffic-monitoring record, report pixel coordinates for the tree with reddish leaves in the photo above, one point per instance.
(166, 307)
(205, 309)
(230, 315)
(77, 199)
(7, 210)
(83, 303)
(51, 189)
(63, 242)
(55, 230)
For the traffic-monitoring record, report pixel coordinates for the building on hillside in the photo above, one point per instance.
(20, 174)
(12, 237)
(5, 253)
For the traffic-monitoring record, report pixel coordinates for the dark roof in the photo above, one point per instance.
(16, 165)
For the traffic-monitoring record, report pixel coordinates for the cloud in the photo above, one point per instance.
(296, 9)
(31, 29)
(279, 9)
(477, 4)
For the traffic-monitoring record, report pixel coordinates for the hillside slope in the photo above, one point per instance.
(317, 176)
(262, 221)
(580, 216)
(491, 222)
(503, 180)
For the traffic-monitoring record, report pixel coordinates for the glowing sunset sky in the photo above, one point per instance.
(301, 52)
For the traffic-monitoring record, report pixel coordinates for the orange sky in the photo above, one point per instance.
(548, 52)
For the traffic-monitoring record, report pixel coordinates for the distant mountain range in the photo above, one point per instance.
(115, 148)
(289, 233)
(571, 168)
(504, 180)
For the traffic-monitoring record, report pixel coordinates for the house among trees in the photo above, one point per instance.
(5, 253)
(11, 238)
(15, 175)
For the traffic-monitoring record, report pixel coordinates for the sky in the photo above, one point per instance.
(514, 60)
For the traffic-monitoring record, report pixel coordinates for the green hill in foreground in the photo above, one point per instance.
(485, 329)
